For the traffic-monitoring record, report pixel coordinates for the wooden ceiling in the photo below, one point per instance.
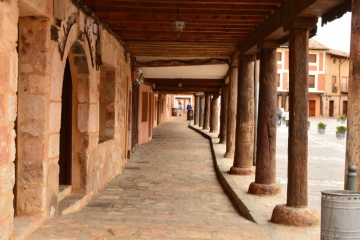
(214, 29)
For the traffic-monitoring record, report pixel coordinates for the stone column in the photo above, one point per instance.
(265, 177)
(214, 114)
(231, 110)
(197, 110)
(223, 113)
(202, 110)
(206, 125)
(353, 114)
(295, 212)
(244, 139)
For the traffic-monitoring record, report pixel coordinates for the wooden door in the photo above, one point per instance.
(331, 108)
(344, 107)
(312, 104)
(65, 159)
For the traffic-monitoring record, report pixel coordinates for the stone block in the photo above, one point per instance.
(31, 200)
(5, 206)
(34, 150)
(83, 117)
(7, 178)
(54, 144)
(56, 82)
(83, 89)
(13, 146)
(4, 144)
(35, 107)
(5, 70)
(33, 173)
(14, 71)
(41, 39)
(5, 230)
(26, 68)
(12, 107)
(35, 8)
(93, 118)
(33, 129)
(2, 108)
(38, 83)
(55, 119)
(40, 60)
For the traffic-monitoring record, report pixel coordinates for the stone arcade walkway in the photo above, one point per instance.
(168, 190)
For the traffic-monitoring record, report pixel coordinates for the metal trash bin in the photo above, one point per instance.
(190, 114)
(174, 112)
(340, 215)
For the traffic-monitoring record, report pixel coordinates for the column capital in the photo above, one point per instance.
(301, 22)
(269, 44)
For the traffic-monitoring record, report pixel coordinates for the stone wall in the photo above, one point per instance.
(45, 45)
(8, 110)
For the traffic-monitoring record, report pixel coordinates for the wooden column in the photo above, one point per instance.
(353, 114)
(223, 113)
(206, 124)
(214, 114)
(197, 110)
(231, 110)
(295, 212)
(265, 177)
(202, 111)
(244, 140)
(159, 120)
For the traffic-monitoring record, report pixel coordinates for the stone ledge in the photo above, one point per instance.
(25, 225)
(74, 202)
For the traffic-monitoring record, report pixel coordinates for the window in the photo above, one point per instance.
(106, 104)
(278, 80)
(312, 58)
(344, 84)
(311, 81)
(278, 56)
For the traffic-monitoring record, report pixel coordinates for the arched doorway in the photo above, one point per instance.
(65, 158)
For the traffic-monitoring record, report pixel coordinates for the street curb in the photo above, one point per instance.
(241, 202)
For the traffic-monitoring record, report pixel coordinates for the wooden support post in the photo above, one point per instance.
(197, 110)
(231, 111)
(353, 114)
(265, 177)
(244, 140)
(202, 111)
(223, 113)
(206, 124)
(295, 212)
(214, 114)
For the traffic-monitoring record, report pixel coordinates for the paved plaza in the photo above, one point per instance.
(169, 190)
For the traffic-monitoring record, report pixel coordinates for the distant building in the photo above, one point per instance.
(328, 80)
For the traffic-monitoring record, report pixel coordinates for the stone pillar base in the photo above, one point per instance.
(229, 155)
(299, 217)
(242, 171)
(264, 189)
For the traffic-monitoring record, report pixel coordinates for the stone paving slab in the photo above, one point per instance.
(169, 190)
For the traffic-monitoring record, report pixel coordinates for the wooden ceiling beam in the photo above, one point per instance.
(238, 2)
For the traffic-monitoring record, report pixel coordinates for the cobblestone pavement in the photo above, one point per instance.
(168, 190)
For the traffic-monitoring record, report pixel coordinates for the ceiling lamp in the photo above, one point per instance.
(178, 25)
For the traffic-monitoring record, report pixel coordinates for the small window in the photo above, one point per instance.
(312, 58)
(333, 79)
(106, 104)
(278, 56)
(311, 81)
(344, 84)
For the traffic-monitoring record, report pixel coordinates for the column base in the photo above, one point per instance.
(264, 189)
(206, 128)
(213, 131)
(242, 171)
(229, 155)
(292, 216)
